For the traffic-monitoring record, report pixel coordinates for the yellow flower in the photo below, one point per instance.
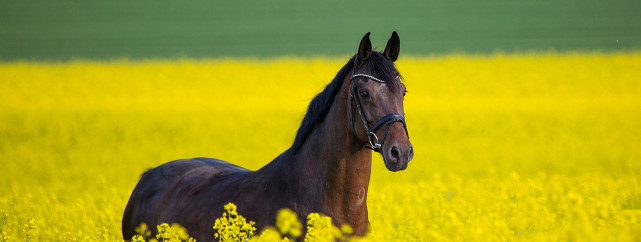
(143, 230)
(30, 229)
(320, 228)
(233, 226)
(287, 223)
(163, 231)
(137, 238)
(346, 229)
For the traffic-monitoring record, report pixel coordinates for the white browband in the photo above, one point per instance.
(368, 76)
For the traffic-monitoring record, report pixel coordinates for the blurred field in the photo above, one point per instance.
(536, 146)
(63, 30)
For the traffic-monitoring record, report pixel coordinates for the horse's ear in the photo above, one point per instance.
(364, 49)
(393, 47)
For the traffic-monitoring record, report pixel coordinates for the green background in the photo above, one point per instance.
(59, 30)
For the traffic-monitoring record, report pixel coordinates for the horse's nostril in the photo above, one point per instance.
(395, 153)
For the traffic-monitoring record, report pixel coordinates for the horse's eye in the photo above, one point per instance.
(404, 92)
(363, 94)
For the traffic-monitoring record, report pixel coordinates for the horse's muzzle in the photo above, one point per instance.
(397, 151)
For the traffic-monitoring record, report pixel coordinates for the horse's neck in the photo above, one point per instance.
(334, 165)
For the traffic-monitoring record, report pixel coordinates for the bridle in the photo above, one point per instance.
(374, 143)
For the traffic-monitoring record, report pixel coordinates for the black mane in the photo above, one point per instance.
(376, 65)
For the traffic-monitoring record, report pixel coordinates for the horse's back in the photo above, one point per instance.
(201, 166)
(156, 186)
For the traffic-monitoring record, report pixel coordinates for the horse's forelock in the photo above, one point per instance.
(381, 67)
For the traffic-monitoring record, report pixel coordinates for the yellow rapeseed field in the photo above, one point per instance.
(533, 146)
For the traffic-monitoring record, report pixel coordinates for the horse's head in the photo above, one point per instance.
(378, 116)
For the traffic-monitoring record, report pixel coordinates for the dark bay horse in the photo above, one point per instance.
(326, 170)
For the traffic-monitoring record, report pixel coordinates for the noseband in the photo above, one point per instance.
(374, 143)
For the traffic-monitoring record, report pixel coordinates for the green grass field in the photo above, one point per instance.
(41, 30)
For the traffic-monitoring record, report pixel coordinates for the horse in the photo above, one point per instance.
(326, 170)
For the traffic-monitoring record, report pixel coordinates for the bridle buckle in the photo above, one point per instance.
(375, 146)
